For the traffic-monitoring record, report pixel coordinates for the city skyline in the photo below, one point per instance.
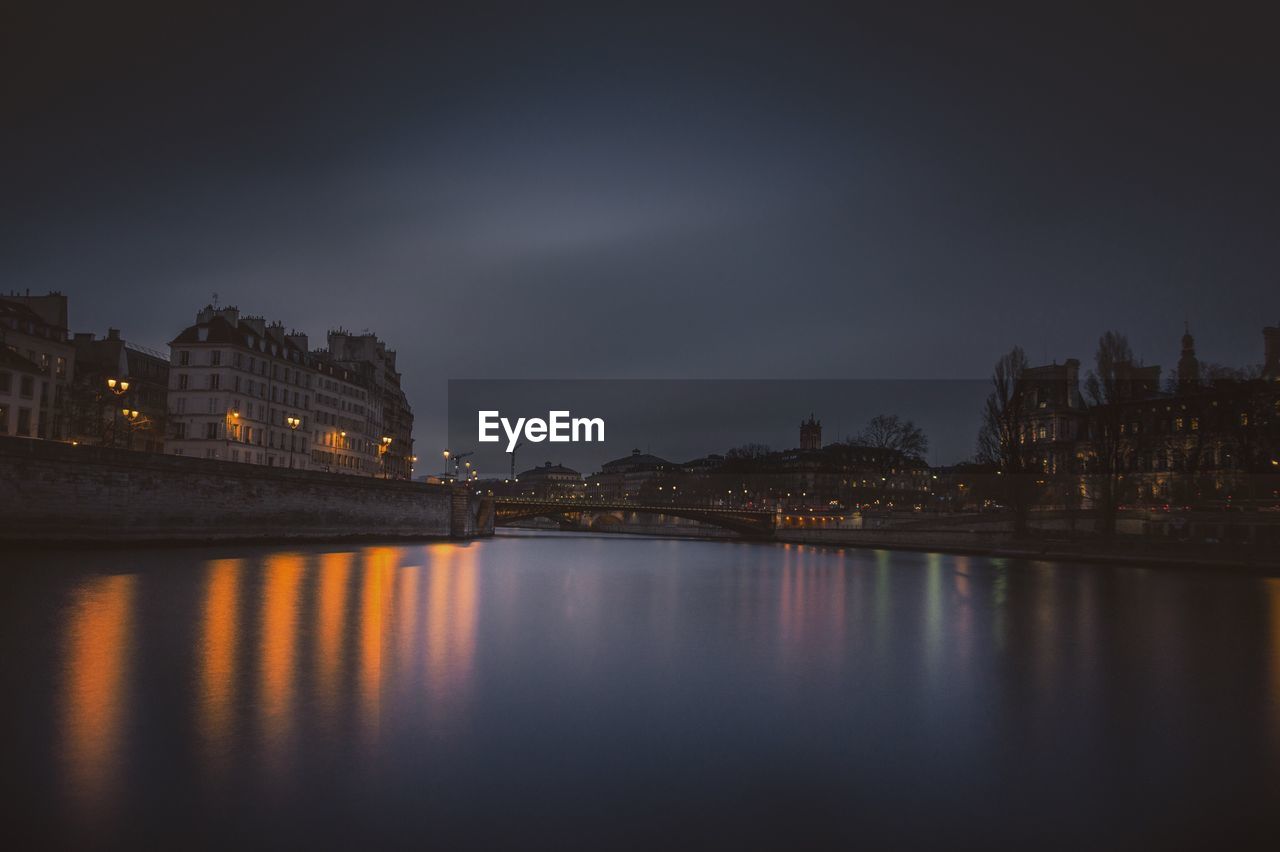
(952, 431)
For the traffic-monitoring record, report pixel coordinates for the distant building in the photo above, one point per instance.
(96, 410)
(1055, 414)
(1188, 364)
(549, 480)
(811, 434)
(634, 477)
(35, 328)
(1203, 440)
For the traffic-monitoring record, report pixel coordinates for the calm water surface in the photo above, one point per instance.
(583, 692)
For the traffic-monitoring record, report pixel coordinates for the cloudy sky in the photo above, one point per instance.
(741, 191)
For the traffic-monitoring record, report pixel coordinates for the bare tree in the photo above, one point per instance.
(1108, 386)
(1002, 438)
(899, 439)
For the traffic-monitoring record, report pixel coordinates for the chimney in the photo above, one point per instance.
(113, 334)
(1271, 349)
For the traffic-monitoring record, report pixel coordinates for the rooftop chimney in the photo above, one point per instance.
(1271, 349)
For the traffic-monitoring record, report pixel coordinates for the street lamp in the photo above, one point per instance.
(382, 454)
(446, 463)
(131, 415)
(230, 427)
(294, 423)
(119, 387)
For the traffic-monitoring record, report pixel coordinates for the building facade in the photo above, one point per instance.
(1198, 442)
(549, 480)
(19, 411)
(240, 390)
(103, 414)
(388, 414)
(35, 329)
(346, 432)
(245, 390)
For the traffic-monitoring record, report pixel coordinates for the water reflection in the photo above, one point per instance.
(332, 600)
(217, 660)
(1273, 624)
(451, 630)
(98, 645)
(375, 585)
(277, 650)
(969, 687)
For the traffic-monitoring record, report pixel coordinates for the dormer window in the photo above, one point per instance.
(202, 333)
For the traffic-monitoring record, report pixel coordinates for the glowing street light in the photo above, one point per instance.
(293, 423)
(119, 387)
(383, 449)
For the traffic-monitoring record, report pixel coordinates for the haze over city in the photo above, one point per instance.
(572, 193)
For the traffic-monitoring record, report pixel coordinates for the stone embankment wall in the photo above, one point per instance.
(52, 492)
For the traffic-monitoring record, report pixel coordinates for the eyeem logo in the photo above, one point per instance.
(558, 428)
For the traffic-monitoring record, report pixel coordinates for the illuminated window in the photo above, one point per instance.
(1177, 424)
(1195, 423)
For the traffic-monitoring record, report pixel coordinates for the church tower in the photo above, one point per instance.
(1188, 366)
(811, 434)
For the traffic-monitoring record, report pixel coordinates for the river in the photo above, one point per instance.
(577, 691)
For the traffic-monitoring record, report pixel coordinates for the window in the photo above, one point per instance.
(215, 381)
(180, 431)
(1195, 424)
(236, 360)
(4, 420)
(182, 381)
(184, 358)
(27, 388)
(211, 431)
(62, 367)
(1177, 424)
(24, 422)
(1244, 418)
(182, 405)
(215, 358)
(6, 382)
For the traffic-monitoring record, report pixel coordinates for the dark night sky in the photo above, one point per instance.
(748, 191)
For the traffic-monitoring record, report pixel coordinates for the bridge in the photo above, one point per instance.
(752, 523)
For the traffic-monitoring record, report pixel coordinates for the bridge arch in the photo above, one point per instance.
(746, 522)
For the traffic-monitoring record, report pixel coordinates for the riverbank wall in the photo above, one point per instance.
(57, 493)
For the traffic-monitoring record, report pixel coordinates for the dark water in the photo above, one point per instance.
(578, 692)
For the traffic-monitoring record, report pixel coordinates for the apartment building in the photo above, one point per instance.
(35, 329)
(240, 390)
